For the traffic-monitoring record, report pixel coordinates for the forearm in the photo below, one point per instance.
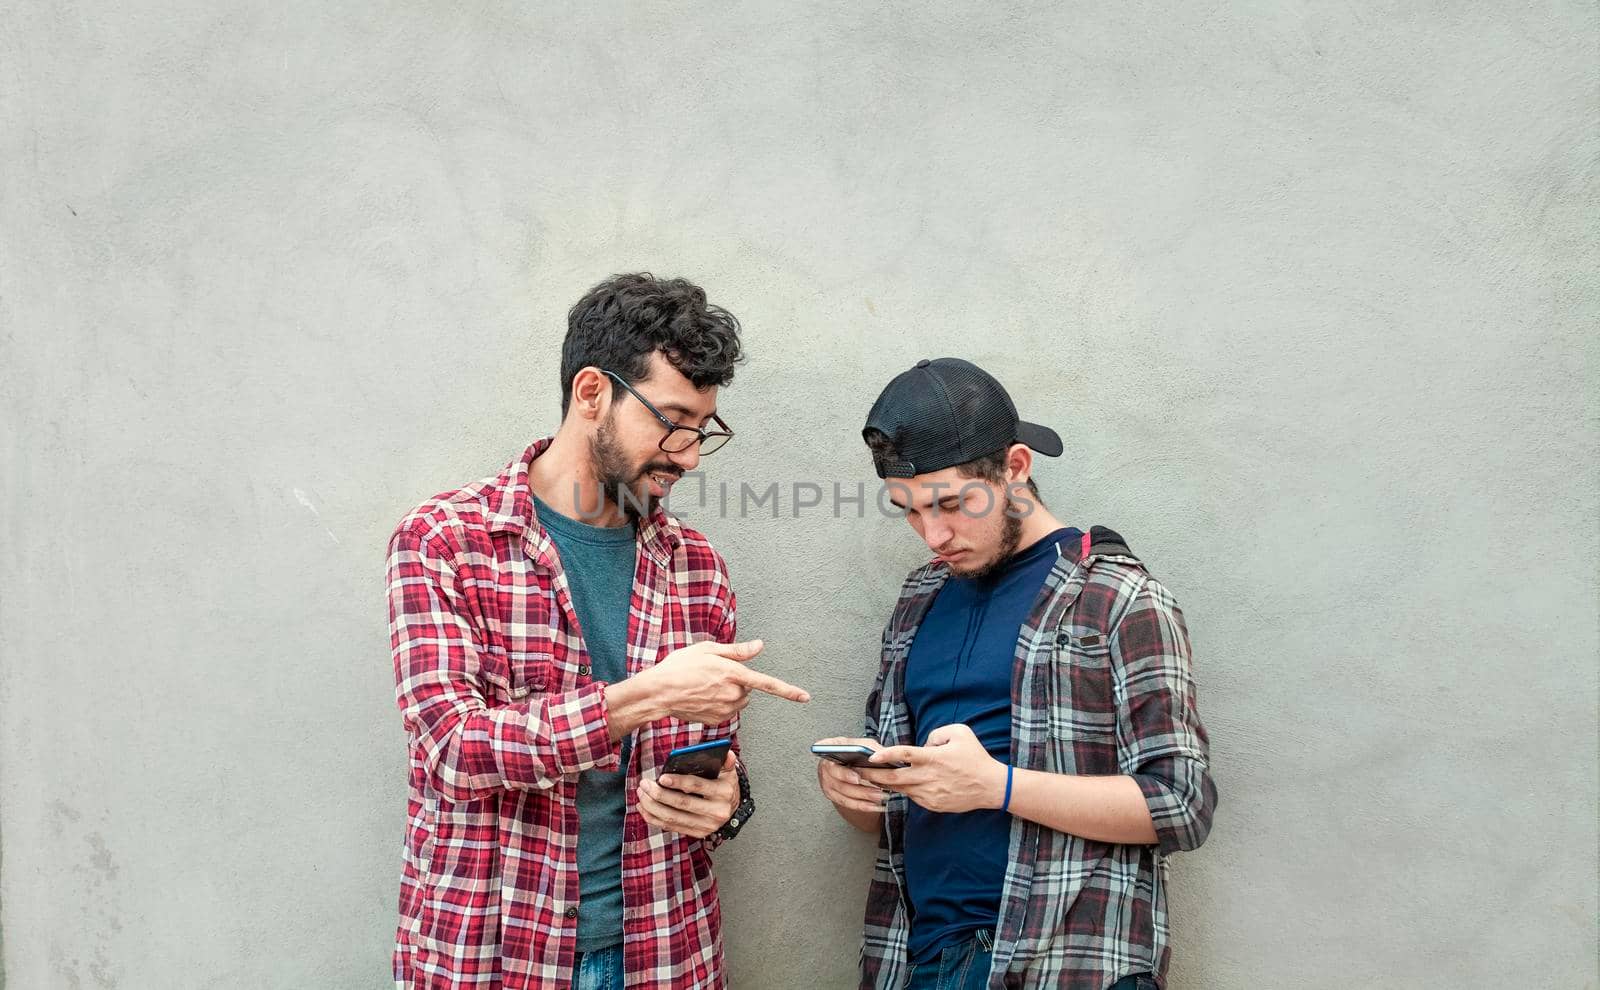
(470, 743)
(470, 750)
(869, 822)
(630, 704)
(1102, 809)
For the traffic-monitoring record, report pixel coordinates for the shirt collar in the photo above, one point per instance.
(509, 508)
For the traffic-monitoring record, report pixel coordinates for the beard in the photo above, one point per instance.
(1010, 536)
(621, 484)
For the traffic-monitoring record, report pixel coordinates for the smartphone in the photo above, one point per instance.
(704, 760)
(852, 755)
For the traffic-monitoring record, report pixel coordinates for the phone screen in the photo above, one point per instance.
(704, 760)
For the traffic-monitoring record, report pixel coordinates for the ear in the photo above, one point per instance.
(591, 394)
(1019, 464)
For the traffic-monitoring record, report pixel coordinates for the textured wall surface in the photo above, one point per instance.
(1309, 289)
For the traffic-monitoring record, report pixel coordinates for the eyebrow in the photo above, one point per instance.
(939, 501)
(679, 410)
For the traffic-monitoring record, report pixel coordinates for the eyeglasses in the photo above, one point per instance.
(679, 437)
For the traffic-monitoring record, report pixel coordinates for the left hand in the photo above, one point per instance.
(953, 772)
(690, 805)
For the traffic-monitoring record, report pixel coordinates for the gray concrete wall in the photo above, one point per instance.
(1309, 289)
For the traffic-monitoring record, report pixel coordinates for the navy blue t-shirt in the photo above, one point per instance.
(959, 671)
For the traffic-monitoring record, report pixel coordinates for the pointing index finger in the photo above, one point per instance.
(773, 686)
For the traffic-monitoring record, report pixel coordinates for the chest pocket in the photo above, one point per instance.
(1083, 705)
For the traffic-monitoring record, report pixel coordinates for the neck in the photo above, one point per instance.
(1037, 525)
(563, 478)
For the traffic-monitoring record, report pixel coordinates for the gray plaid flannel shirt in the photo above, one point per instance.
(1102, 685)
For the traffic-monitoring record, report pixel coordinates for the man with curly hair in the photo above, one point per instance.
(556, 634)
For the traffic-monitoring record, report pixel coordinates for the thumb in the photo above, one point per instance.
(742, 652)
(944, 734)
(730, 762)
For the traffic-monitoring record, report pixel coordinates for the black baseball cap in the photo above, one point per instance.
(946, 412)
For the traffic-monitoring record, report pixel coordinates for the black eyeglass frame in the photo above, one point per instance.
(701, 436)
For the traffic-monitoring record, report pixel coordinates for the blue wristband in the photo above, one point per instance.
(1006, 804)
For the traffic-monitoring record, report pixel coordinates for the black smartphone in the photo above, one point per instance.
(852, 755)
(704, 760)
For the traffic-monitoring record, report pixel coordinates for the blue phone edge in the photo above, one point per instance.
(697, 747)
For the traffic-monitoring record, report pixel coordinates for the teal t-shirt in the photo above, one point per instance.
(599, 562)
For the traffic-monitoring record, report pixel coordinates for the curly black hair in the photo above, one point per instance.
(619, 323)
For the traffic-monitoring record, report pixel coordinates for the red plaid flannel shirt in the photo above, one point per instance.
(492, 677)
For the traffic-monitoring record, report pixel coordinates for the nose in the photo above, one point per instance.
(686, 460)
(936, 534)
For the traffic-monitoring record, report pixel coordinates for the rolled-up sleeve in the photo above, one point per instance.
(469, 748)
(1163, 743)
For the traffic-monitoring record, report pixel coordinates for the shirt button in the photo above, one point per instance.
(571, 912)
(583, 670)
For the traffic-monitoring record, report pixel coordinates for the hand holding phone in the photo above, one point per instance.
(704, 760)
(704, 792)
(840, 783)
(852, 754)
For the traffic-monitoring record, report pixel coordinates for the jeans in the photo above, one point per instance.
(599, 970)
(965, 966)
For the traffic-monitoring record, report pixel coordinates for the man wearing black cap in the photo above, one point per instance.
(1036, 683)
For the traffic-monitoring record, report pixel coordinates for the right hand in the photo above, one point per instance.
(709, 682)
(846, 788)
